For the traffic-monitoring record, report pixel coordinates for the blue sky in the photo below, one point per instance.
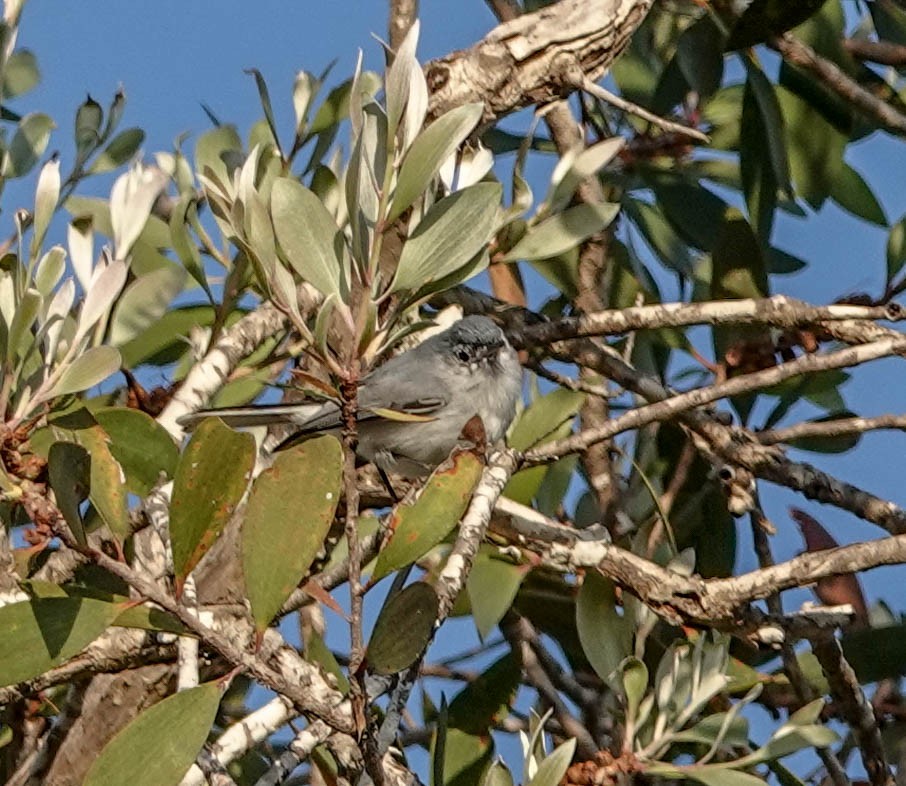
(170, 57)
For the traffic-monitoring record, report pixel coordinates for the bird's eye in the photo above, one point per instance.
(463, 355)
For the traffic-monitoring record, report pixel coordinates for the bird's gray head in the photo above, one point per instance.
(474, 342)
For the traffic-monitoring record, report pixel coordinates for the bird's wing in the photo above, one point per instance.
(263, 414)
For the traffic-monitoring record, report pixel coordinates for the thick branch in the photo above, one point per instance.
(535, 58)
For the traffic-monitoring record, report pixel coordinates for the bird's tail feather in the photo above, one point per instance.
(257, 415)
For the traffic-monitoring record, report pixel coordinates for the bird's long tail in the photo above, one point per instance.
(257, 415)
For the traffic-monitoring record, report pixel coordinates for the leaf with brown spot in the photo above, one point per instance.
(211, 478)
(416, 527)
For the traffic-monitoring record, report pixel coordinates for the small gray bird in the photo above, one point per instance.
(468, 369)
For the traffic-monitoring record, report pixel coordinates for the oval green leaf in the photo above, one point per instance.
(564, 231)
(449, 236)
(141, 445)
(403, 629)
(420, 525)
(429, 150)
(160, 745)
(308, 235)
(605, 635)
(289, 514)
(41, 633)
(87, 370)
(210, 480)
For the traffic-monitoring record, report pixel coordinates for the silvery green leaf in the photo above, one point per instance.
(399, 77)
(553, 768)
(144, 301)
(563, 231)
(635, 684)
(356, 98)
(106, 284)
(89, 117)
(585, 164)
(131, 199)
(20, 73)
(429, 150)
(57, 312)
(416, 107)
(304, 89)
(80, 239)
(47, 194)
(119, 151)
(454, 231)
(461, 171)
(265, 97)
(605, 635)
(87, 370)
(28, 145)
(211, 150)
(49, 270)
(20, 338)
(308, 235)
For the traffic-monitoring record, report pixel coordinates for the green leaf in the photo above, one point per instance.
(219, 150)
(167, 340)
(487, 700)
(564, 231)
(119, 151)
(265, 97)
(667, 245)
(28, 144)
(69, 473)
(184, 214)
(159, 746)
(141, 445)
(815, 148)
(416, 527)
(498, 774)
(896, 249)
(554, 766)
(765, 98)
(210, 481)
(721, 776)
(154, 235)
(39, 634)
(492, 585)
(635, 684)
(308, 236)
(606, 635)
(853, 194)
(289, 513)
(429, 150)
(20, 73)
(454, 231)
(89, 117)
(144, 302)
(403, 629)
(88, 369)
(20, 337)
(829, 444)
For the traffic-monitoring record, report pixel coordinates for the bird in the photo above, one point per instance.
(411, 409)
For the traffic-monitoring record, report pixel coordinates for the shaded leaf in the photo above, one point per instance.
(403, 629)
(210, 480)
(69, 473)
(160, 745)
(41, 633)
(20, 73)
(119, 151)
(853, 194)
(492, 585)
(289, 513)
(605, 634)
